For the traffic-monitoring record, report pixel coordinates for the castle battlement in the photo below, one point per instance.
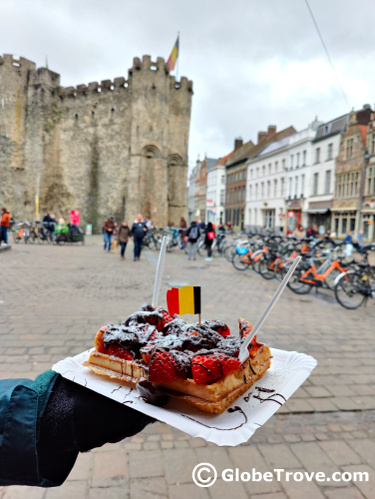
(99, 147)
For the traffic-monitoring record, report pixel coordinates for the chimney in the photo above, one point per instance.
(238, 143)
(271, 130)
(261, 136)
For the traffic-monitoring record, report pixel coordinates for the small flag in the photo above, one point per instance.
(47, 63)
(174, 54)
(186, 300)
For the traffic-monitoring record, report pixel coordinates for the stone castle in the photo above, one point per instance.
(119, 147)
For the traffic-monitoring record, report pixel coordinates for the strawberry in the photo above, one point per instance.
(98, 343)
(163, 367)
(223, 331)
(245, 327)
(209, 368)
(120, 352)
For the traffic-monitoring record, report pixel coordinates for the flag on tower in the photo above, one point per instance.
(174, 54)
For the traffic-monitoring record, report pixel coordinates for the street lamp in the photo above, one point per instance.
(362, 191)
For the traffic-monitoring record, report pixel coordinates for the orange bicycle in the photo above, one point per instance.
(307, 275)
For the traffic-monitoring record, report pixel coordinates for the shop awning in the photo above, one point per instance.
(316, 211)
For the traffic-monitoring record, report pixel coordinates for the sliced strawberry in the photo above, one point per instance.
(120, 352)
(223, 331)
(229, 364)
(98, 343)
(162, 368)
(209, 368)
(206, 368)
(245, 327)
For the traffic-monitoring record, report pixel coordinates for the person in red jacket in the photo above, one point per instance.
(5, 222)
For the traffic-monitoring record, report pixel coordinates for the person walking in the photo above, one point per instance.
(208, 240)
(108, 230)
(123, 237)
(193, 234)
(138, 232)
(5, 222)
(182, 233)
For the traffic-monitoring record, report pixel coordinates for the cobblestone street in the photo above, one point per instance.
(52, 301)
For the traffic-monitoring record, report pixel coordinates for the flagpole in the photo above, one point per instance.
(178, 56)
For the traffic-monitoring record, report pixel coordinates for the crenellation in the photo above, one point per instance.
(82, 89)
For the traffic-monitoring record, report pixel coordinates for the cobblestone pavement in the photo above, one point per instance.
(54, 298)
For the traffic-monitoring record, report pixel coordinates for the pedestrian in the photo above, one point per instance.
(138, 232)
(5, 222)
(360, 240)
(299, 231)
(349, 245)
(123, 237)
(46, 423)
(312, 231)
(109, 227)
(183, 227)
(193, 234)
(208, 240)
(148, 223)
(221, 229)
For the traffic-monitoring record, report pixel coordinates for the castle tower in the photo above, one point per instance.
(115, 147)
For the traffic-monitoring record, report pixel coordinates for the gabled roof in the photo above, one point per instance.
(211, 162)
(338, 125)
(247, 152)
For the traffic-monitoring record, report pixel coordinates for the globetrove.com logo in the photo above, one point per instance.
(205, 475)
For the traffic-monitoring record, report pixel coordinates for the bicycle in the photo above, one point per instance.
(356, 286)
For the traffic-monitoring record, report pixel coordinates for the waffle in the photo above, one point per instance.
(213, 396)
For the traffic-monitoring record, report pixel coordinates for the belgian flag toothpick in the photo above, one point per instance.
(186, 300)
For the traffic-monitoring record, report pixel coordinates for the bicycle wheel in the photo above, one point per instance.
(330, 280)
(16, 239)
(298, 286)
(32, 238)
(238, 262)
(264, 269)
(229, 252)
(202, 249)
(349, 291)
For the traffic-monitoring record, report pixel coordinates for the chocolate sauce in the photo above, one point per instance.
(149, 394)
(231, 409)
(270, 397)
(247, 398)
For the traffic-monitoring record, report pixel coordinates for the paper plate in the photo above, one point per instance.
(236, 425)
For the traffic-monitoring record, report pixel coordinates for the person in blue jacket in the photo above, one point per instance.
(45, 423)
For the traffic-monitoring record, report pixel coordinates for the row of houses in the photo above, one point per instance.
(323, 175)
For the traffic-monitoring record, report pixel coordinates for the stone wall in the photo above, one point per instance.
(119, 147)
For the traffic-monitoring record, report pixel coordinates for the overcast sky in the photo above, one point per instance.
(252, 62)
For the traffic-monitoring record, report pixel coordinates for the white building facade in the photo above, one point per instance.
(278, 183)
(215, 197)
(265, 187)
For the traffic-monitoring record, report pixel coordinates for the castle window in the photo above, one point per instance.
(112, 112)
(153, 87)
(112, 87)
(153, 67)
(76, 118)
(92, 114)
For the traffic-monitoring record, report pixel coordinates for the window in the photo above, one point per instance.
(352, 184)
(263, 170)
(262, 190)
(330, 152)
(269, 169)
(356, 184)
(283, 164)
(349, 148)
(250, 192)
(276, 166)
(222, 197)
(298, 155)
(337, 225)
(317, 155)
(291, 160)
(371, 180)
(290, 187)
(269, 219)
(258, 172)
(296, 187)
(282, 186)
(304, 158)
(327, 185)
(275, 188)
(251, 173)
(373, 144)
(223, 179)
(315, 187)
(343, 225)
(302, 185)
(256, 191)
(352, 224)
(268, 189)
